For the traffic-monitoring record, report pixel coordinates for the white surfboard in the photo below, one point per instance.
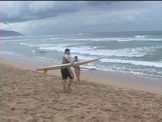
(86, 67)
(62, 66)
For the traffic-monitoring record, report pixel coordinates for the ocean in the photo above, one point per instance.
(138, 53)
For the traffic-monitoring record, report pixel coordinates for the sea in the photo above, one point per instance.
(138, 53)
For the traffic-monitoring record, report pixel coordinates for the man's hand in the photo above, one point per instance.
(70, 61)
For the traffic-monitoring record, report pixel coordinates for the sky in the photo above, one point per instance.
(68, 17)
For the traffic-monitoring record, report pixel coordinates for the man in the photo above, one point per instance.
(67, 72)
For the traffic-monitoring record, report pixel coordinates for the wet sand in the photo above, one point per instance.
(27, 97)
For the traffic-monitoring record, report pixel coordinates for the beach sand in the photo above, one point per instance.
(27, 97)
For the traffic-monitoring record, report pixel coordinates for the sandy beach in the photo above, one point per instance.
(27, 97)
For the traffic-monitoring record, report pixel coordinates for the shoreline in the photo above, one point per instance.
(101, 77)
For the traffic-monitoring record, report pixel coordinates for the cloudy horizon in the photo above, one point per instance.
(63, 17)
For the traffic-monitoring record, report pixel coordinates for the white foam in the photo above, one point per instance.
(137, 38)
(94, 39)
(126, 52)
(133, 62)
(28, 45)
(149, 71)
(141, 36)
(91, 50)
(148, 36)
(7, 52)
(12, 53)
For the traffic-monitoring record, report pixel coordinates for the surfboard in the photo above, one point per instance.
(86, 67)
(62, 66)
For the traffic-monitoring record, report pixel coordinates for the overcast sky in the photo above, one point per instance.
(63, 17)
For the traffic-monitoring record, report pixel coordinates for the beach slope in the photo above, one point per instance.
(27, 97)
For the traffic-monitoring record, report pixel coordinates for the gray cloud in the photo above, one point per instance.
(52, 17)
(19, 11)
(98, 3)
(13, 11)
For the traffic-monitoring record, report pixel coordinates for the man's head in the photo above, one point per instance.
(67, 51)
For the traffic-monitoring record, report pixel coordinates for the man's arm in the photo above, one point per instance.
(69, 61)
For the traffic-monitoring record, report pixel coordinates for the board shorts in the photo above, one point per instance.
(77, 74)
(67, 72)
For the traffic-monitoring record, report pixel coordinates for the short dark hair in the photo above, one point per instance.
(66, 50)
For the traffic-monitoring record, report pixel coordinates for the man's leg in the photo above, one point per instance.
(71, 76)
(64, 78)
(64, 84)
(70, 82)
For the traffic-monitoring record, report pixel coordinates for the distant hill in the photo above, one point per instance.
(10, 33)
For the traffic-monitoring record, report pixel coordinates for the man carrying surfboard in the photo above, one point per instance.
(67, 72)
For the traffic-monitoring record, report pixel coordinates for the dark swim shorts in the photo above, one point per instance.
(67, 72)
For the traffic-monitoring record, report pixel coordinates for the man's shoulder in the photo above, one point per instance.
(66, 55)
